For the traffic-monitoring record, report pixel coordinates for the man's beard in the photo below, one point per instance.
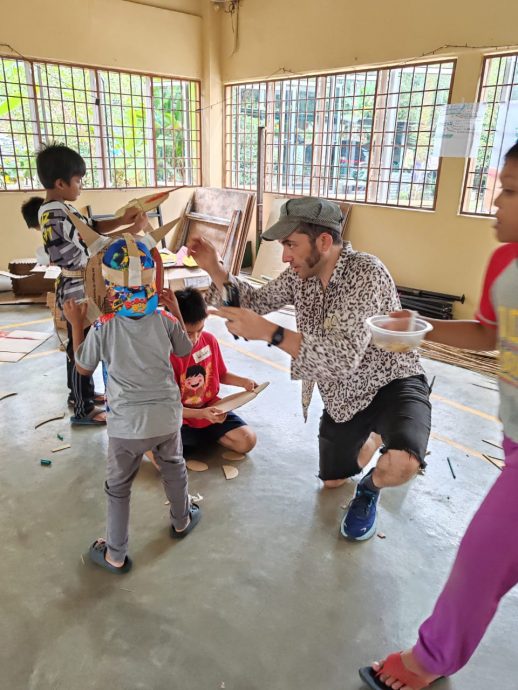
(313, 258)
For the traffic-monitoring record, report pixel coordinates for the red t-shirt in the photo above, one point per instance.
(198, 376)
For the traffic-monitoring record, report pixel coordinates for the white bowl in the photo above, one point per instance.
(397, 335)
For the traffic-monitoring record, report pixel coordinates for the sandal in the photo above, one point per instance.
(97, 553)
(99, 399)
(195, 515)
(393, 666)
(88, 420)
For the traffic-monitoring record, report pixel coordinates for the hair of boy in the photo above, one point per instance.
(192, 305)
(195, 370)
(512, 154)
(30, 210)
(58, 162)
(314, 231)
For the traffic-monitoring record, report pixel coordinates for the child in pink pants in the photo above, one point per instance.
(486, 566)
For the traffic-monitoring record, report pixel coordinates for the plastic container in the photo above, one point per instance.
(398, 335)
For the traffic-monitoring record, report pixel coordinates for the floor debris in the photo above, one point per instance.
(49, 419)
(196, 465)
(45, 463)
(64, 447)
(60, 437)
(233, 457)
(195, 498)
(230, 471)
(499, 464)
(451, 468)
(381, 535)
(3, 396)
(492, 443)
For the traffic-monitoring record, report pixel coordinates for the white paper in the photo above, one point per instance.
(52, 272)
(458, 129)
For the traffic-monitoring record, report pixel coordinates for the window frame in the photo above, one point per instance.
(468, 170)
(230, 166)
(192, 107)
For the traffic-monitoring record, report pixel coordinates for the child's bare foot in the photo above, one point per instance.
(411, 664)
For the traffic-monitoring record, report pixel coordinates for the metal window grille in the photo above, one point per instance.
(245, 112)
(177, 131)
(499, 91)
(66, 102)
(19, 131)
(364, 136)
(133, 130)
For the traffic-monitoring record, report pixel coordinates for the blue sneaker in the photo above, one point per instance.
(359, 521)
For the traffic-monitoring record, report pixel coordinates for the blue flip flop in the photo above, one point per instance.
(97, 553)
(195, 514)
(88, 420)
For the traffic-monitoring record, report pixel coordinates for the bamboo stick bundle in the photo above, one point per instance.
(480, 362)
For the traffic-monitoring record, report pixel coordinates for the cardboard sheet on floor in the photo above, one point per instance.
(30, 335)
(230, 471)
(11, 356)
(196, 465)
(19, 343)
(232, 402)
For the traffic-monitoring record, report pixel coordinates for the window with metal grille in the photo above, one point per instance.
(499, 92)
(133, 130)
(363, 136)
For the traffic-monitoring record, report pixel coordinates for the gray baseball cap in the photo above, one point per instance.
(307, 209)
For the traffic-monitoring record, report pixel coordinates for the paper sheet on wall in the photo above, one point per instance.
(458, 130)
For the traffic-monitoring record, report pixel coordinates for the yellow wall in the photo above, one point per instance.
(439, 251)
(107, 33)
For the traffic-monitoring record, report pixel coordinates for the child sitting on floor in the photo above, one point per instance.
(199, 376)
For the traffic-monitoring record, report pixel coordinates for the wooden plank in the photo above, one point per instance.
(208, 219)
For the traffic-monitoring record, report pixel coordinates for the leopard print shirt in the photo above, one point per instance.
(336, 351)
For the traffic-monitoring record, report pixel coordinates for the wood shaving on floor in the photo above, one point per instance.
(3, 396)
(49, 419)
(64, 447)
(196, 465)
(230, 471)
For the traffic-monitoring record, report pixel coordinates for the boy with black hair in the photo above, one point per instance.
(199, 376)
(486, 566)
(61, 171)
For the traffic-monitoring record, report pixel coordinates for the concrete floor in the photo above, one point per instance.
(265, 594)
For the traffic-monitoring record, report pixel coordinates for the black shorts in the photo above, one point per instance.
(192, 437)
(400, 413)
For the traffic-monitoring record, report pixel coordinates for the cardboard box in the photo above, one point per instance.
(181, 278)
(34, 284)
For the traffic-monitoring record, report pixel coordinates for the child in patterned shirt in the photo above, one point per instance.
(61, 171)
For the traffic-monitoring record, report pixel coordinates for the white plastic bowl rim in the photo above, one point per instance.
(420, 326)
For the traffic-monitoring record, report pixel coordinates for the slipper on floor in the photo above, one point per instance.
(99, 399)
(89, 420)
(97, 555)
(393, 666)
(195, 514)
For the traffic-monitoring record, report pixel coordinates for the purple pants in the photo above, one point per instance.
(485, 569)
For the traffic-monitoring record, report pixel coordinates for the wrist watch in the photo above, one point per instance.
(277, 337)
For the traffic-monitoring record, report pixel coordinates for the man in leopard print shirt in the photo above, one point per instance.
(372, 398)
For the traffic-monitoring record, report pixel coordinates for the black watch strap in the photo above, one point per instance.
(277, 337)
